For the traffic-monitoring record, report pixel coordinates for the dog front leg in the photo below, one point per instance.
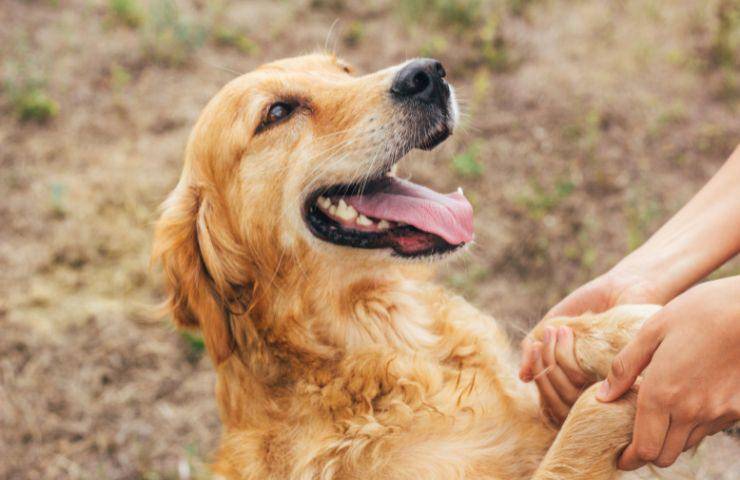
(587, 446)
(600, 336)
(594, 433)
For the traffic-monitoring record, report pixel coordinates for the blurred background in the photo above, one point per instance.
(586, 124)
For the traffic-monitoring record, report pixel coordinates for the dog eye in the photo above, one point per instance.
(278, 112)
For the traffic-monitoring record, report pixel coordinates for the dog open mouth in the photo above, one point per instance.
(389, 212)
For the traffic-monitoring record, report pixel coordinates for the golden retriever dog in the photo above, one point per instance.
(307, 266)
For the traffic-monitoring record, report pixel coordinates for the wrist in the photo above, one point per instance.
(648, 278)
(669, 266)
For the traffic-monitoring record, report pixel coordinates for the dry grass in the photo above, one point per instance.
(586, 126)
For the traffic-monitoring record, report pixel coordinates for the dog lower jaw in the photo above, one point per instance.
(404, 241)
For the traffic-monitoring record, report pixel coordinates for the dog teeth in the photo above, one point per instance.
(343, 211)
(346, 212)
(324, 202)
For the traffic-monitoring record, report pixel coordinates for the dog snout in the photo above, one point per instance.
(422, 80)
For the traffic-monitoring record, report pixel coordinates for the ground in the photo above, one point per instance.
(587, 123)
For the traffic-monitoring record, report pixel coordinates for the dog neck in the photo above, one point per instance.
(309, 314)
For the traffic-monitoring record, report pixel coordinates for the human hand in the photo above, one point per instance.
(552, 363)
(691, 387)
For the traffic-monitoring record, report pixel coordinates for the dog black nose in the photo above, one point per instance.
(421, 79)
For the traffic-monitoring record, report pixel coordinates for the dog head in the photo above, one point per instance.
(293, 162)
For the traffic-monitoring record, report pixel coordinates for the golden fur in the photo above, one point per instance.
(340, 363)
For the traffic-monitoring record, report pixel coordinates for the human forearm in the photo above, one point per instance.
(704, 234)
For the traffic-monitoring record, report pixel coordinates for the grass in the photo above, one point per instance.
(724, 52)
(227, 37)
(586, 128)
(481, 86)
(493, 46)
(126, 12)
(169, 38)
(582, 249)
(456, 14)
(725, 48)
(641, 214)
(120, 77)
(353, 34)
(585, 132)
(728, 88)
(477, 24)
(331, 5)
(710, 138)
(668, 117)
(33, 104)
(466, 164)
(467, 280)
(435, 46)
(519, 7)
(539, 201)
(27, 93)
(196, 347)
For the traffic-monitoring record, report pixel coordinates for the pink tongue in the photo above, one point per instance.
(448, 216)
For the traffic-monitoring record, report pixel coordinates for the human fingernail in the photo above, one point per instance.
(603, 390)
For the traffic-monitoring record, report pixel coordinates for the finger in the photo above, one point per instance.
(566, 358)
(651, 426)
(549, 397)
(628, 364)
(675, 441)
(525, 371)
(565, 389)
(705, 430)
(696, 436)
(587, 298)
(574, 304)
(629, 459)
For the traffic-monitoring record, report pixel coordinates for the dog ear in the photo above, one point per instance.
(199, 260)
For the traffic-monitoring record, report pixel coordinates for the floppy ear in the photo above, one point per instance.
(199, 267)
